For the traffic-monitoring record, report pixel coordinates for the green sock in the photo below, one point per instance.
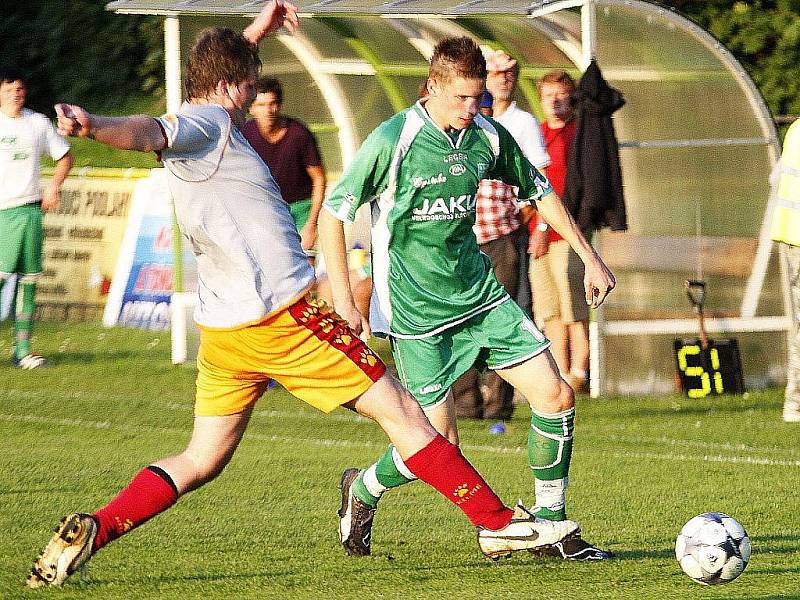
(23, 323)
(389, 472)
(549, 454)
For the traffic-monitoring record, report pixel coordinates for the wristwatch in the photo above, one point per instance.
(542, 226)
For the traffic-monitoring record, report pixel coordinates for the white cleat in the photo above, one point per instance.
(524, 532)
(68, 550)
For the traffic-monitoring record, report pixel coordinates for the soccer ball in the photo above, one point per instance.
(712, 548)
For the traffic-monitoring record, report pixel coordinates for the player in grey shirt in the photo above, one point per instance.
(247, 270)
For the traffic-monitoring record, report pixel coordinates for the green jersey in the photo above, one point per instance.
(428, 272)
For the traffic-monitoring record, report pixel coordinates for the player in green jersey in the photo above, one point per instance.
(436, 296)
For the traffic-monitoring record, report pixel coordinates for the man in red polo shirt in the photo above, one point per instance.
(556, 273)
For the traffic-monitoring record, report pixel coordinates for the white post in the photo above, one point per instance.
(172, 63)
(177, 318)
(588, 32)
(596, 357)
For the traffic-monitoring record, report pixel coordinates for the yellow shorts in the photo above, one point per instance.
(304, 347)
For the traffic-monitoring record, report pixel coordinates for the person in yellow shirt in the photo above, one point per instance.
(786, 230)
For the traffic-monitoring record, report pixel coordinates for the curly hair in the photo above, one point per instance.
(219, 54)
(457, 57)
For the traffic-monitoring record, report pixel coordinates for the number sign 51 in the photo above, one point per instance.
(717, 369)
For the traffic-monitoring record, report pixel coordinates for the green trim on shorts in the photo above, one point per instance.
(498, 338)
(21, 239)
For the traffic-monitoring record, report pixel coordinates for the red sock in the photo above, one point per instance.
(441, 465)
(147, 495)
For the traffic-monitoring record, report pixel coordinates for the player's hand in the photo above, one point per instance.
(274, 15)
(73, 121)
(357, 322)
(51, 199)
(308, 236)
(598, 282)
(539, 244)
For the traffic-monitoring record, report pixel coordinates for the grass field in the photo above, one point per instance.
(72, 435)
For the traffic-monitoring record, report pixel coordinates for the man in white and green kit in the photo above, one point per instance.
(436, 296)
(25, 136)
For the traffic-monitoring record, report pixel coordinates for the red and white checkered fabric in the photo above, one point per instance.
(496, 210)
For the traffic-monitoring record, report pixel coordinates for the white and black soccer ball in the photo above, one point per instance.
(713, 548)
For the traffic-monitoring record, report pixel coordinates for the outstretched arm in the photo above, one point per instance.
(138, 132)
(274, 15)
(598, 280)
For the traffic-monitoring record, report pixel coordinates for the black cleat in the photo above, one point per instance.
(577, 548)
(355, 518)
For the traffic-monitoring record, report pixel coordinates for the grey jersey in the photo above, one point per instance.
(249, 259)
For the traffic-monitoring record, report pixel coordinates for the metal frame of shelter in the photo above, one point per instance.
(579, 47)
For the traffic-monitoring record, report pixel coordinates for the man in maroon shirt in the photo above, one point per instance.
(292, 155)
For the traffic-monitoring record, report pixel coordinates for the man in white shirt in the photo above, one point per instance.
(502, 232)
(25, 136)
(502, 78)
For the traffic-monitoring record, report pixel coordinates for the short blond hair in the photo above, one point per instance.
(457, 57)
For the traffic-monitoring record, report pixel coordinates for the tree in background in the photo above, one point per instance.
(76, 51)
(764, 36)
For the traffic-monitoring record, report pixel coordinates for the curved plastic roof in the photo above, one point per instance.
(697, 141)
(347, 7)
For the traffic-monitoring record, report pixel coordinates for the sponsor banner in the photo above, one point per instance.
(144, 278)
(82, 240)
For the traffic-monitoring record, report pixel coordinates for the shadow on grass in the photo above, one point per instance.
(655, 553)
(279, 574)
(777, 544)
(762, 544)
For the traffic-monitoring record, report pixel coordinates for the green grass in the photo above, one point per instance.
(72, 435)
(87, 153)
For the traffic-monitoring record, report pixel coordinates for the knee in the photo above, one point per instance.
(558, 398)
(387, 402)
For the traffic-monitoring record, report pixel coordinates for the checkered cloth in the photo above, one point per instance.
(496, 210)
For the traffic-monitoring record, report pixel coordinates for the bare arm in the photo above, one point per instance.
(318, 184)
(52, 195)
(273, 16)
(334, 248)
(138, 132)
(598, 280)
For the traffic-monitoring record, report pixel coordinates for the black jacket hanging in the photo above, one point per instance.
(593, 191)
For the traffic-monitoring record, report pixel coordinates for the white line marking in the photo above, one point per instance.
(751, 460)
(349, 417)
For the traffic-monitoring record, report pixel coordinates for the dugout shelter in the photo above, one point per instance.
(697, 146)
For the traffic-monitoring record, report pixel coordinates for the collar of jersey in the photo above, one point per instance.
(427, 118)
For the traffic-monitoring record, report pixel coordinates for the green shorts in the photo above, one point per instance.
(301, 209)
(498, 338)
(21, 236)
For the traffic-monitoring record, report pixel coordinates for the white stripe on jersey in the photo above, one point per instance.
(380, 315)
